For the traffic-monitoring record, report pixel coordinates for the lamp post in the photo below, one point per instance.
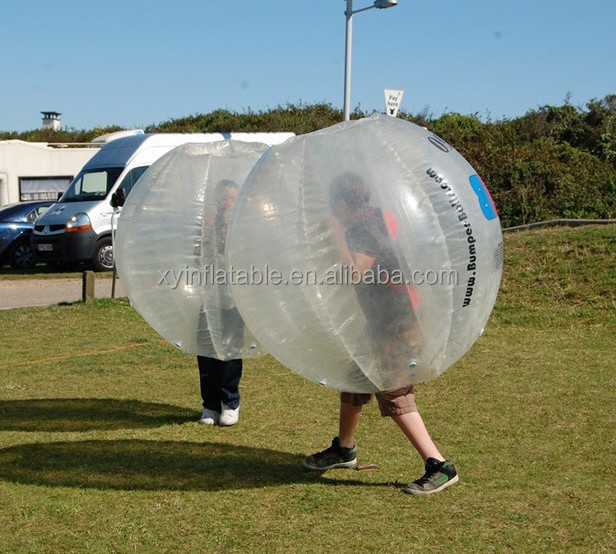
(379, 4)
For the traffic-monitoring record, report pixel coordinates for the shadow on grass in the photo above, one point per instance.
(86, 414)
(153, 465)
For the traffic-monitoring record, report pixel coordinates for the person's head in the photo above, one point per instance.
(225, 195)
(348, 195)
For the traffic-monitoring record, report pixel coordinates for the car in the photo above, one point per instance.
(16, 224)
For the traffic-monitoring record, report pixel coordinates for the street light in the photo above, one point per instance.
(379, 4)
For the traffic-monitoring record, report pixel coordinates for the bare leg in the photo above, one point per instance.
(415, 430)
(349, 419)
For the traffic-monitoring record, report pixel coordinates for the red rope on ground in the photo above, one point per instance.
(85, 354)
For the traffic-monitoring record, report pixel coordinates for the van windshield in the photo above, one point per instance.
(93, 184)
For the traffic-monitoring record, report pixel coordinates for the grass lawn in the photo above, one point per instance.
(100, 450)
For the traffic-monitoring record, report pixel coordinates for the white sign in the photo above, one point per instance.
(393, 99)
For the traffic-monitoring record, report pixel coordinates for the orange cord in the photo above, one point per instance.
(85, 354)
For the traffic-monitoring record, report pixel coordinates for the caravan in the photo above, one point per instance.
(78, 227)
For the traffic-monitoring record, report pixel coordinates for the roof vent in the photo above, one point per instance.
(104, 139)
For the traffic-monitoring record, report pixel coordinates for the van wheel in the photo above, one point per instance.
(21, 256)
(102, 259)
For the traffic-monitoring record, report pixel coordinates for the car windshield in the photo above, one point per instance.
(93, 184)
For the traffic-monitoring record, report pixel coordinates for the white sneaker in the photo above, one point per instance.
(209, 417)
(228, 416)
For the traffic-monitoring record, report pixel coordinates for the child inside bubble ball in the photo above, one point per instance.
(360, 231)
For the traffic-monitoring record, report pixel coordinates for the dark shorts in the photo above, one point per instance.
(395, 402)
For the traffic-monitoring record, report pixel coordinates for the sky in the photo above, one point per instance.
(135, 63)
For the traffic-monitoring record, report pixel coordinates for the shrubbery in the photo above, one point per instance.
(553, 162)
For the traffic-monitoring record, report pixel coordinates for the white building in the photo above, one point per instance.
(37, 170)
(40, 170)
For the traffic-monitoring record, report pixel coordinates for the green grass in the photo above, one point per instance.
(100, 451)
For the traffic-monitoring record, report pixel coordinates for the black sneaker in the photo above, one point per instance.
(438, 476)
(333, 457)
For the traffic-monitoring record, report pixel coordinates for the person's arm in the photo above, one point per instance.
(359, 261)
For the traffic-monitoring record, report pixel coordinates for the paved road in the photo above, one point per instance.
(21, 293)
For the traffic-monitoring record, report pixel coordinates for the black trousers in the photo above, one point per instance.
(219, 381)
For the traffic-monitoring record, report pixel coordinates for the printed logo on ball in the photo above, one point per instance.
(439, 143)
(485, 200)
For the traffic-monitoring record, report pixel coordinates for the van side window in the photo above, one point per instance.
(131, 178)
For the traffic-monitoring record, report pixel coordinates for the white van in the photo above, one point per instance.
(78, 227)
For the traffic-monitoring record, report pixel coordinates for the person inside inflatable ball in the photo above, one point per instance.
(219, 380)
(362, 234)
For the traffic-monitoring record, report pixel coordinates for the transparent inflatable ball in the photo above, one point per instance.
(375, 252)
(170, 247)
